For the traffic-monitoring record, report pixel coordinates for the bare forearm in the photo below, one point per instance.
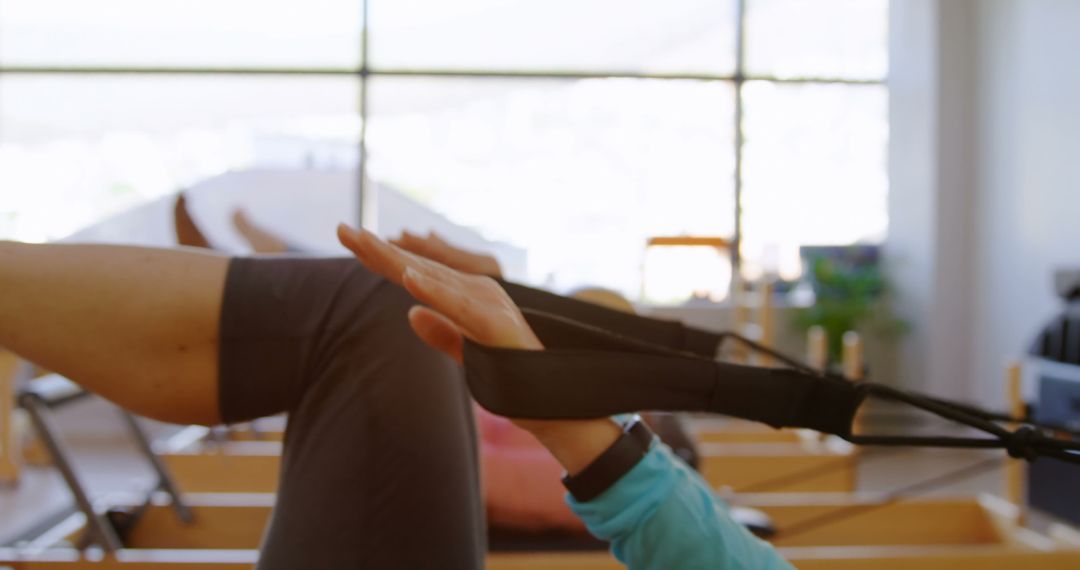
(577, 443)
(136, 325)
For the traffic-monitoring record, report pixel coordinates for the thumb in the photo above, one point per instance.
(437, 331)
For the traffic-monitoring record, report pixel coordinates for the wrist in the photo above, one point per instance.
(613, 464)
(574, 443)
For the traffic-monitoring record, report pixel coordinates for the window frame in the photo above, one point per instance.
(365, 71)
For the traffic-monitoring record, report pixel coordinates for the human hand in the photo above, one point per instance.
(462, 305)
(474, 306)
(437, 249)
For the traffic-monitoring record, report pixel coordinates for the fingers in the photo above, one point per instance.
(437, 332)
(428, 247)
(435, 248)
(391, 262)
(377, 255)
(477, 306)
(456, 299)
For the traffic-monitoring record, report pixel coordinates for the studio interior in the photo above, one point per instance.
(522, 285)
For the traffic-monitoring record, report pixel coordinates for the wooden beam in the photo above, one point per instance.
(767, 320)
(251, 435)
(740, 317)
(756, 456)
(553, 561)
(780, 467)
(739, 466)
(219, 524)
(925, 534)
(873, 521)
(225, 521)
(230, 467)
(9, 442)
(844, 558)
(717, 429)
(69, 559)
(853, 356)
(689, 241)
(749, 436)
(817, 347)
(930, 558)
(1015, 470)
(852, 364)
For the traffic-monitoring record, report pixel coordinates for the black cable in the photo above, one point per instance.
(1023, 443)
(964, 408)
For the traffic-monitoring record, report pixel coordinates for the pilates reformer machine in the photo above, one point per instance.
(638, 361)
(817, 530)
(814, 531)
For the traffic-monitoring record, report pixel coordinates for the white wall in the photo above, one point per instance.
(984, 182)
(931, 187)
(1028, 211)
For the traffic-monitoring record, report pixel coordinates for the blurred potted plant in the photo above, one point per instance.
(851, 293)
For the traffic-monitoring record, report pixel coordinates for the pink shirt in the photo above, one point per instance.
(521, 480)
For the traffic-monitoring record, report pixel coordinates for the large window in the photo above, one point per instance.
(575, 130)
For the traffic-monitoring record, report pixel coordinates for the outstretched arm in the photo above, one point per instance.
(138, 326)
(660, 514)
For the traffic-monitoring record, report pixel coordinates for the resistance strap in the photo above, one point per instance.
(616, 363)
(586, 372)
(671, 335)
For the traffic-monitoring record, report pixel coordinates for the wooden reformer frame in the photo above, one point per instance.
(982, 532)
(201, 464)
(223, 529)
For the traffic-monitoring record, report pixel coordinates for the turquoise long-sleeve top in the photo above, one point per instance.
(661, 515)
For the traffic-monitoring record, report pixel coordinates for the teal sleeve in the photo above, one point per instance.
(662, 515)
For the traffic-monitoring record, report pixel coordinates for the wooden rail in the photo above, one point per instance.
(919, 534)
(9, 444)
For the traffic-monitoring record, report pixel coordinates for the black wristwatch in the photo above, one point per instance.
(616, 461)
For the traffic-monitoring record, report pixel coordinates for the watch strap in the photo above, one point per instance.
(613, 463)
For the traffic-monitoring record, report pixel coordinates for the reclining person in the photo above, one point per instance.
(520, 480)
(379, 467)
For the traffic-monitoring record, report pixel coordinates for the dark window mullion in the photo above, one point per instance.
(362, 76)
(739, 79)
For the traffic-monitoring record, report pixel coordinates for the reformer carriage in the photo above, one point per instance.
(865, 531)
(925, 533)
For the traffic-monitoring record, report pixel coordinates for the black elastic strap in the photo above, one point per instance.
(672, 335)
(676, 336)
(586, 372)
